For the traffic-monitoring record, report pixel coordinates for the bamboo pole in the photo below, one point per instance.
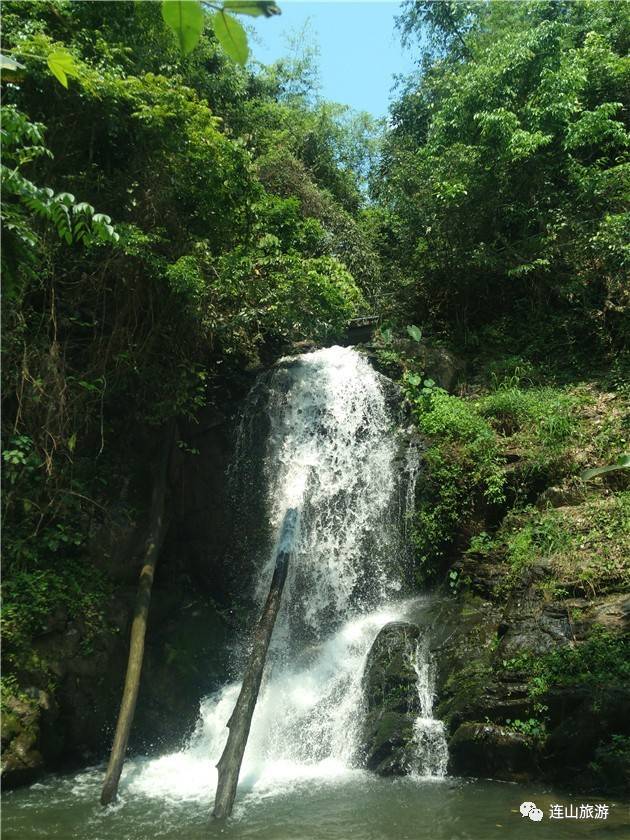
(229, 765)
(153, 545)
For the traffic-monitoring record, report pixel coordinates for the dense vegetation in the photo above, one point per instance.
(228, 225)
(172, 221)
(504, 181)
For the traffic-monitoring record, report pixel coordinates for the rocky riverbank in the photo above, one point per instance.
(530, 624)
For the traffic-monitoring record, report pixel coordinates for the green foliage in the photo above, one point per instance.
(587, 547)
(31, 597)
(185, 18)
(463, 470)
(231, 35)
(532, 727)
(199, 265)
(542, 423)
(493, 454)
(25, 206)
(290, 297)
(600, 661)
(505, 175)
(62, 65)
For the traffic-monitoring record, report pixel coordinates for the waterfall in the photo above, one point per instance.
(333, 450)
(429, 735)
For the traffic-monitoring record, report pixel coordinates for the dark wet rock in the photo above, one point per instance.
(609, 771)
(491, 751)
(481, 573)
(188, 650)
(391, 700)
(463, 635)
(443, 366)
(74, 723)
(592, 715)
(611, 612)
(476, 641)
(530, 625)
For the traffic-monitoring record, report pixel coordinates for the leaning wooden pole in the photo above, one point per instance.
(229, 765)
(138, 628)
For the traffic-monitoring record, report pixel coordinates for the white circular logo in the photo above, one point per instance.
(529, 809)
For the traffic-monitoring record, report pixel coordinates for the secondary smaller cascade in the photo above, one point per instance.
(429, 732)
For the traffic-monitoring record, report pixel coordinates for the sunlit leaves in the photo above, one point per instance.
(62, 65)
(414, 332)
(185, 19)
(231, 36)
(506, 162)
(28, 210)
(255, 8)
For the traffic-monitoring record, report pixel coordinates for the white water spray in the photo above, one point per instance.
(332, 451)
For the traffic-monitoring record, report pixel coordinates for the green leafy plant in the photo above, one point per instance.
(622, 463)
(531, 727)
(186, 20)
(62, 65)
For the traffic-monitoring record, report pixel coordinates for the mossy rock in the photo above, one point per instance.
(22, 761)
(391, 700)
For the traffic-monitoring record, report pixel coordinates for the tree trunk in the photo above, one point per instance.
(239, 724)
(154, 541)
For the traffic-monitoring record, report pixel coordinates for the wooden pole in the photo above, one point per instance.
(229, 765)
(138, 629)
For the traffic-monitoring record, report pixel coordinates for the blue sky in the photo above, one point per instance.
(360, 50)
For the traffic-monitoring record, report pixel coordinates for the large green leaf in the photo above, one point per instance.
(185, 18)
(255, 8)
(231, 35)
(622, 463)
(414, 332)
(62, 65)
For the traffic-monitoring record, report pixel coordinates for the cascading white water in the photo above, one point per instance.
(429, 735)
(332, 452)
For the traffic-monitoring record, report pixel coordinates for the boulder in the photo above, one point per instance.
(491, 751)
(22, 761)
(391, 700)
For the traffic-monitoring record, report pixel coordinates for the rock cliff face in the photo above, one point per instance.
(569, 734)
(500, 725)
(60, 707)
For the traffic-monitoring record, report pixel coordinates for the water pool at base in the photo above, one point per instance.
(352, 805)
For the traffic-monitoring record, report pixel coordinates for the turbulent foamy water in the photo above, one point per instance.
(333, 452)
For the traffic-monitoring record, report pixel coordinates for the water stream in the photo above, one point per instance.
(334, 451)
